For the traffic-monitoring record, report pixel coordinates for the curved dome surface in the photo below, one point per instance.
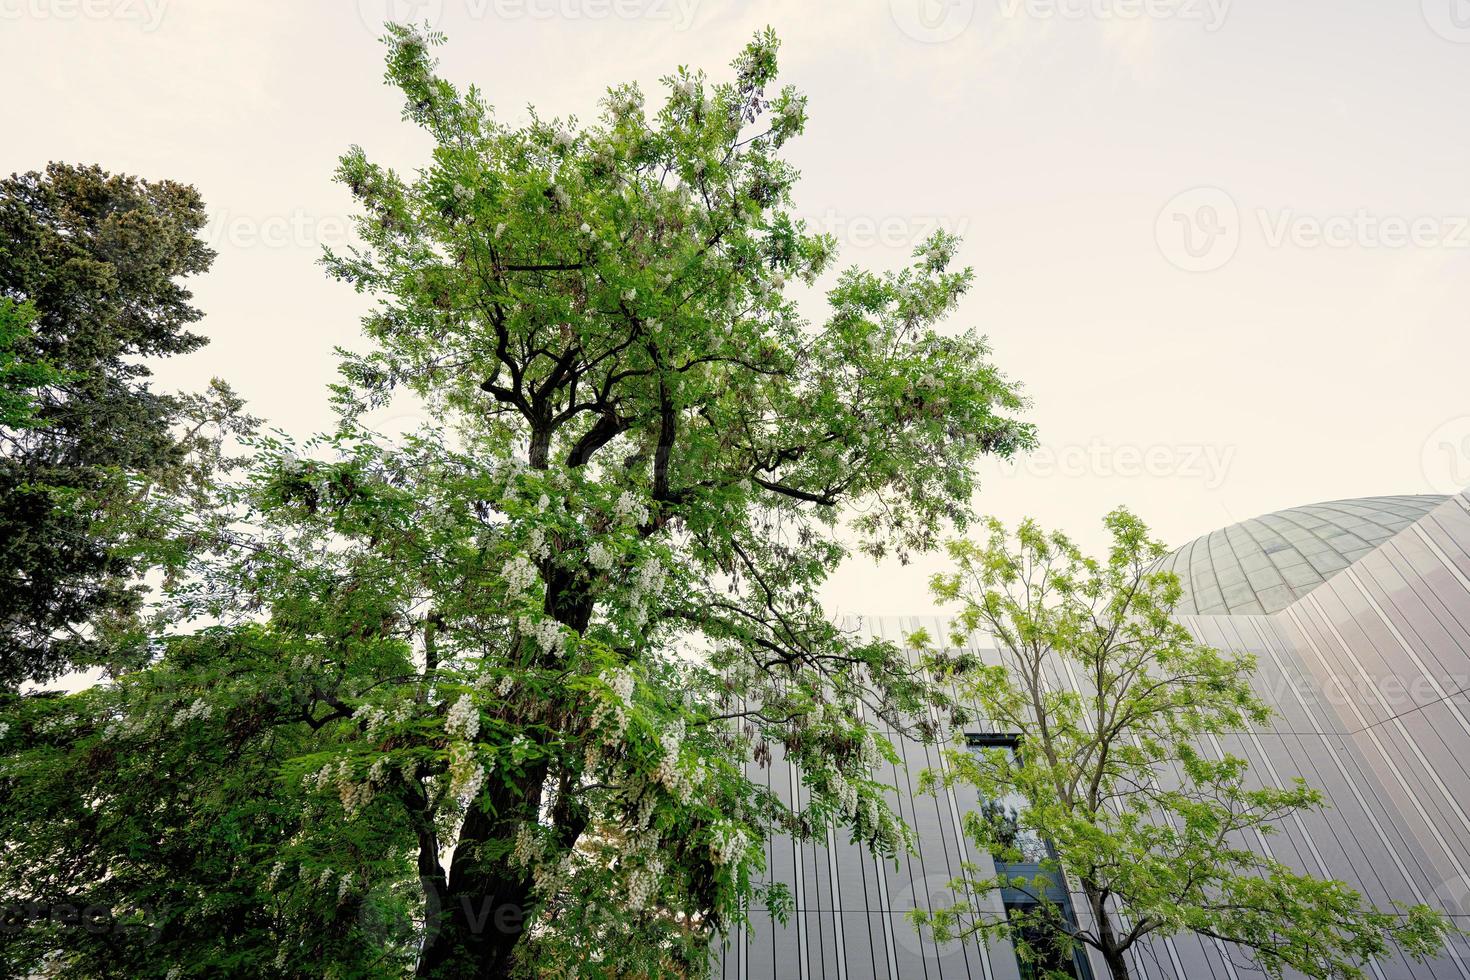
(1265, 564)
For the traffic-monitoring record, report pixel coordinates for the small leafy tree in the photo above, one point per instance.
(1111, 699)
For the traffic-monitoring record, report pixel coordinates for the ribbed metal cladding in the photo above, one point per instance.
(1368, 669)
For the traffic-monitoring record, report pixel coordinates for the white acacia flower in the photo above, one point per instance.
(586, 229)
(622, 684)
(519, 575)
(500, 229)
(629, 506)
(600, 557)
(463, 719)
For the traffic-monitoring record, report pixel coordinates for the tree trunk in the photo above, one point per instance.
(479, 921)
(474, 928)
(1112, 952)
(1117, 964)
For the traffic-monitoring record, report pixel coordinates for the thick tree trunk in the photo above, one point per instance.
(474, 928)
(479, 921)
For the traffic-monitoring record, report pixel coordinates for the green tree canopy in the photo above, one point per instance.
(521, 668)
(1116, 706)
(94, 261)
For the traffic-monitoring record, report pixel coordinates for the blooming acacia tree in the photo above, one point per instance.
(539, 643)
(612, 576)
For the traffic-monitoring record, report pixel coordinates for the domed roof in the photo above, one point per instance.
(1265, 564)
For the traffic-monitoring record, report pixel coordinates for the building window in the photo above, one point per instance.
(1023, 853)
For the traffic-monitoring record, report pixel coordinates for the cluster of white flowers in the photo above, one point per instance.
(651, 578)
(600, 556)
(644, 817)
(320, 779)
(499, 228)
(377, 717)
(461, 192)
(274, 876)
(546, 632)
(629, 506)
(847, 796)
(196, 710)
(344, 888)
(519, 575)
(643, 882)
(563, 138)
(560, 193)
(686, 87)
(621, 681)
(627, 102)
(728, 843)
(354, 796)
(466, 775)
(528, 846)
(463, 720)
(669, 774)
(550, 876)
(4, 729)
(378, 771)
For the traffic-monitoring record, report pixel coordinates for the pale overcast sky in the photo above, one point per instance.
(1224, 244)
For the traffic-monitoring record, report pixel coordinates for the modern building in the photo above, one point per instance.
(1359, 614)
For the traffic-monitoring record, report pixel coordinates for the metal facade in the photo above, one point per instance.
(1368, 667)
